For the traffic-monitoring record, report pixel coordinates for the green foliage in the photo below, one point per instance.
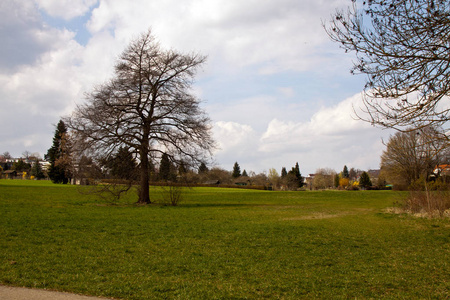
(21, 166)
(57, 172)
(295, 178)
(345, 173)
(166, 169)
(336, 180)
(364, 180)
(123, 165)
(236, 171)
(36, 170)
(283, 172)
(221, 244)
(202, 168)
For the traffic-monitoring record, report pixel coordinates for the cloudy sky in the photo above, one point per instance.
(277, 90)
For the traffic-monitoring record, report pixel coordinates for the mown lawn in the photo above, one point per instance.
(221, 244)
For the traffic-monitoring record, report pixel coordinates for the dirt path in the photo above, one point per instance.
(16, 293)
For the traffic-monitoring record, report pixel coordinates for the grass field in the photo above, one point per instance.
(221, 244)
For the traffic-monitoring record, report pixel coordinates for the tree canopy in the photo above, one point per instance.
(147, 107)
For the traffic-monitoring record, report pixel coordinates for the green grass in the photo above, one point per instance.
(221, 244)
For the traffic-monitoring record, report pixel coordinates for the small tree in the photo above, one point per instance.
(336, 180)
(123, 165)
(364, 180)
(324, 178)
(344, 182)
(345, 173)
(6, 155)
(36, 170)
(59, 155)
(236, 170)
(283, 172)
(202, 168)
(352, 174)
(21, 166)
(297, 179)
(166, 169)
(274, 178)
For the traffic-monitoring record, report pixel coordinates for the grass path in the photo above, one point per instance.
(221, 244)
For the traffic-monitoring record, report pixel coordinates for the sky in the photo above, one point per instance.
(277, 90)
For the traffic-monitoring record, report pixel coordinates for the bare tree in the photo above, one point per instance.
(403, 47)
(148, 108)
(324, 178)
(410, 156)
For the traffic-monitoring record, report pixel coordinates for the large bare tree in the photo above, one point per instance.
(410, 156)
(147, 107)
(403, 46)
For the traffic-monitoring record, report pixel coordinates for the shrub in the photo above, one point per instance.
(172, 194)
(431, 203)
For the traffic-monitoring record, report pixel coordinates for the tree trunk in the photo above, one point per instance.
(144, 195)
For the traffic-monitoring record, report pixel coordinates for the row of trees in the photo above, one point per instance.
(402, 47)
(326, 178)
(148, 109)
(28, 165)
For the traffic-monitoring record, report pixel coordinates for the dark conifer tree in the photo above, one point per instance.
(236, 170)
(283, 172)
(57, 173)
(203, 168)
(166, 168)
(123, 165)
(36, 170)
(298, 176)
(345, 173)
(364, 180)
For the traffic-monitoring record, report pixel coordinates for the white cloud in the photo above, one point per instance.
(66, 9)
(277, 35)
(331, 138)
(232, 136)
(259, 54)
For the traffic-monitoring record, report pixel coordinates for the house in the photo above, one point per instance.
(212, 182)
(10, 174)
(442, 171)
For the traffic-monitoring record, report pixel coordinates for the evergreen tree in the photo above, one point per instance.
(336, 180)
(364, 180)
(58, 173)
(21, 166)
(203, 168)
(166, 168)
(36, 170)
(283, 172)
(345, 173)
(244, 174)
(123, 165)
(182, 170)
(236, 170)
(295, 171)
